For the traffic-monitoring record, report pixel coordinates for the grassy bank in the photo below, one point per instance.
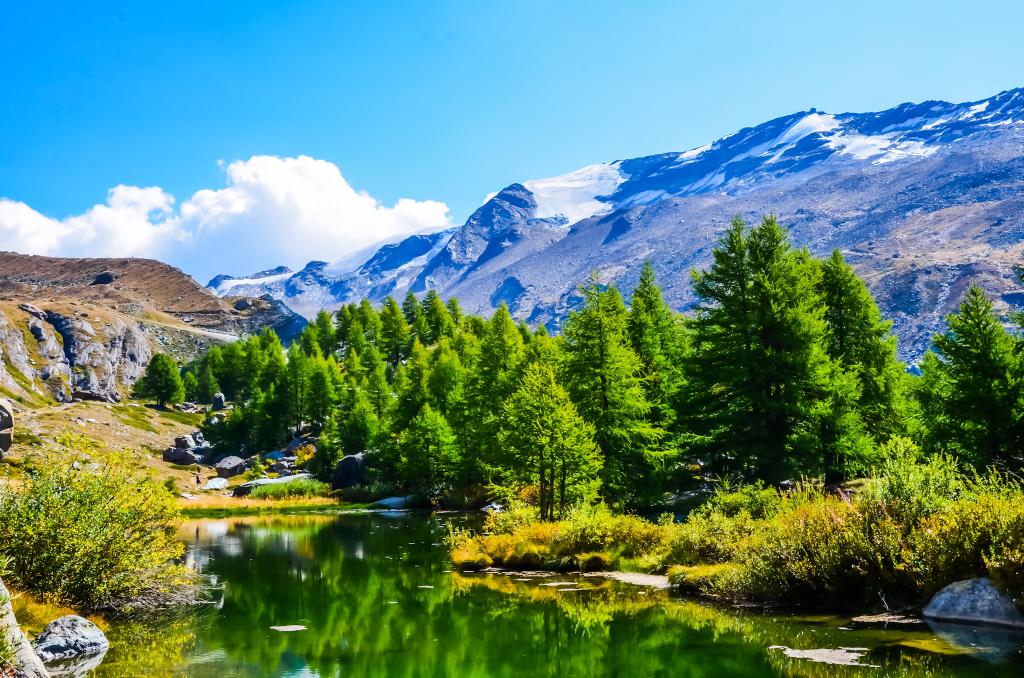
(218, 506)
(914, 527)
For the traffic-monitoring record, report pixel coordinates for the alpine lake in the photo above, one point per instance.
(373, 594)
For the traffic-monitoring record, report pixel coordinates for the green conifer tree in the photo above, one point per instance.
(862, 342)
(972, 386)
(394, 332)
(602, 374)
(161, 381)
(548, 444)
(760, 381)
(430, 455)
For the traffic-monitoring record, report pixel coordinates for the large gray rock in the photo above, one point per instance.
(6, 425)
(229, 467)
(974, 601)
(216, 484)
(348, 471)
(177, 455)
(218, 401)
(246, 489)
(101, 360)
(69, 636)
(394, 502)
(184, 442)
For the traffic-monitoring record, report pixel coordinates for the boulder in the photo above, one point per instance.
(974, 601)
(280, 467)
(246, 489)
(199, 437)
(216, 484)
(232, 466)
(394, 502)
(104, 278)
(176, 455)
(274, 456)
(69, 636)
(348, 471)
(184, 442)
(6, 425)
(296, 443)
(218, 401)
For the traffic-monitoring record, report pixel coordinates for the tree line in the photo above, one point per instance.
(784, 369)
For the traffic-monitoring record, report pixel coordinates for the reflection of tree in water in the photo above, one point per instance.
(354, 582)
(597, 611)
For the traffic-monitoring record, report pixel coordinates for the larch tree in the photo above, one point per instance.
(760, 383)
(394, 332)
(862, 342)
(603, 377)
(161, 381)
(548, 444)
(972, 390)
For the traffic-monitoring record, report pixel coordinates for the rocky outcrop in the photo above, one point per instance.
(974, 601)
(15, 361)
(103, 359)
(26, 663)
(68, 637)
(66, 356)
(6, 426)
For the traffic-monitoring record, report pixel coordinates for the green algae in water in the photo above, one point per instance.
(374, 595)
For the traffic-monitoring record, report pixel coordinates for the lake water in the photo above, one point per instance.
(373, 595)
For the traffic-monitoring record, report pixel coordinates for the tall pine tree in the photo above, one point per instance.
(971, 386)
(603, 377)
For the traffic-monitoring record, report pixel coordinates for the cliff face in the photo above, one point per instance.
(86, 328)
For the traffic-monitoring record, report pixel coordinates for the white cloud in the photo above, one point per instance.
(134, 221)
(272, 211)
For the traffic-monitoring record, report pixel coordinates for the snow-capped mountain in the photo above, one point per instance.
(322, 285)
(921, 198)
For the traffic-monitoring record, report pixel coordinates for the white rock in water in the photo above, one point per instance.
(288, 628)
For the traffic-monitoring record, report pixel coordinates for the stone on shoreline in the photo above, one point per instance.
(69, 636)
(974, 601)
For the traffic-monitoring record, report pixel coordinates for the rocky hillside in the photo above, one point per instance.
(921, 198)
(85, 328)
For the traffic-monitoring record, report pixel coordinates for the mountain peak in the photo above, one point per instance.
(918, 197)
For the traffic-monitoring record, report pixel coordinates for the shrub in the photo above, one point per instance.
(916, 526)
(296, 489)
(88, 531)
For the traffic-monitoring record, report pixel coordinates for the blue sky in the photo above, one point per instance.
(436, 101)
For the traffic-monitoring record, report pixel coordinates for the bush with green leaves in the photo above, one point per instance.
(89, 531)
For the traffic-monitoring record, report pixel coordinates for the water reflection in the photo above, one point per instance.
(376, 597)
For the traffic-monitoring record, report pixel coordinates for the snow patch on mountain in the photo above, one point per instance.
(576, 196)
(224, 286)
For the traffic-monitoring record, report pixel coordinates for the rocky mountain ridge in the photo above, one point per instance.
(86, 328)
(921, 198)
